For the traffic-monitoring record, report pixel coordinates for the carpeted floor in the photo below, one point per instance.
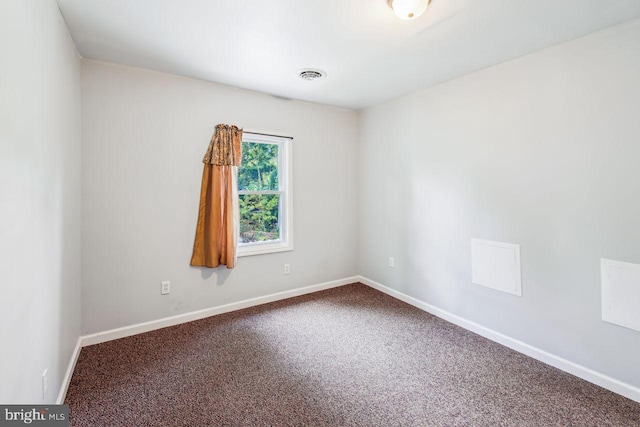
(349, 356)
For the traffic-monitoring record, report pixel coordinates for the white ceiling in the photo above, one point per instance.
(369, 55)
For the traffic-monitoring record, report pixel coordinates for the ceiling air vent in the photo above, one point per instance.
(310, 75)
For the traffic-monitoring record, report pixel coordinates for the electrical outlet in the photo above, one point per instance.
(165, 288)
(287, 269)
(392, 262)
(45, 384)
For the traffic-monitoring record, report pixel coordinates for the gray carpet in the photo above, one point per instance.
(349, 356)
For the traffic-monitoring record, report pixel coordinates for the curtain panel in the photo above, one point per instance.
(216, 241)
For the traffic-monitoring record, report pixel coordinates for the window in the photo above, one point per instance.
(264, 191)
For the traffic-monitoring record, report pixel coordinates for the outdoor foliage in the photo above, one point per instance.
(258, 212)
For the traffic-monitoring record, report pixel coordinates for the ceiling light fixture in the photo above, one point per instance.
(408, 9)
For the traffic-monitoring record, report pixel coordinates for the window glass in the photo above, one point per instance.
(259, 170)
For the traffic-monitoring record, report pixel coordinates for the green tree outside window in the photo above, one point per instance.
(259, 193)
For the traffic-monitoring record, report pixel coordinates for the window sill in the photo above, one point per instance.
(262, 249)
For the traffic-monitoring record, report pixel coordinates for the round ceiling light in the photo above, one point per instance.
(310, 74)
(408, 9)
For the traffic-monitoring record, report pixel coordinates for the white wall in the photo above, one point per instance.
(39, 199)
(542, 151)
(144, 135)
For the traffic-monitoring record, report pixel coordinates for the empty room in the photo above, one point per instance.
(334, 213)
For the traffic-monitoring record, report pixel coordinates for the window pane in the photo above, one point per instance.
(259, 169)
(259, 217)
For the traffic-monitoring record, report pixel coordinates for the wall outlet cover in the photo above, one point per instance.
(165, 288)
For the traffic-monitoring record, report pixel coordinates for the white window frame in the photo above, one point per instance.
(285, 214)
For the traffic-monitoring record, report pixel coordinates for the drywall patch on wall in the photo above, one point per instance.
(620, 283)
(496, 265)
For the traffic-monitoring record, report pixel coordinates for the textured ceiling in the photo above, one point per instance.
(370, 56)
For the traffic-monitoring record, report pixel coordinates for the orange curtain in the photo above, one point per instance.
(216, 239)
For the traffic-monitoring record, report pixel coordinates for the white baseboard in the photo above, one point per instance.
(140, 328)
(69, 373)
(572, 368)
